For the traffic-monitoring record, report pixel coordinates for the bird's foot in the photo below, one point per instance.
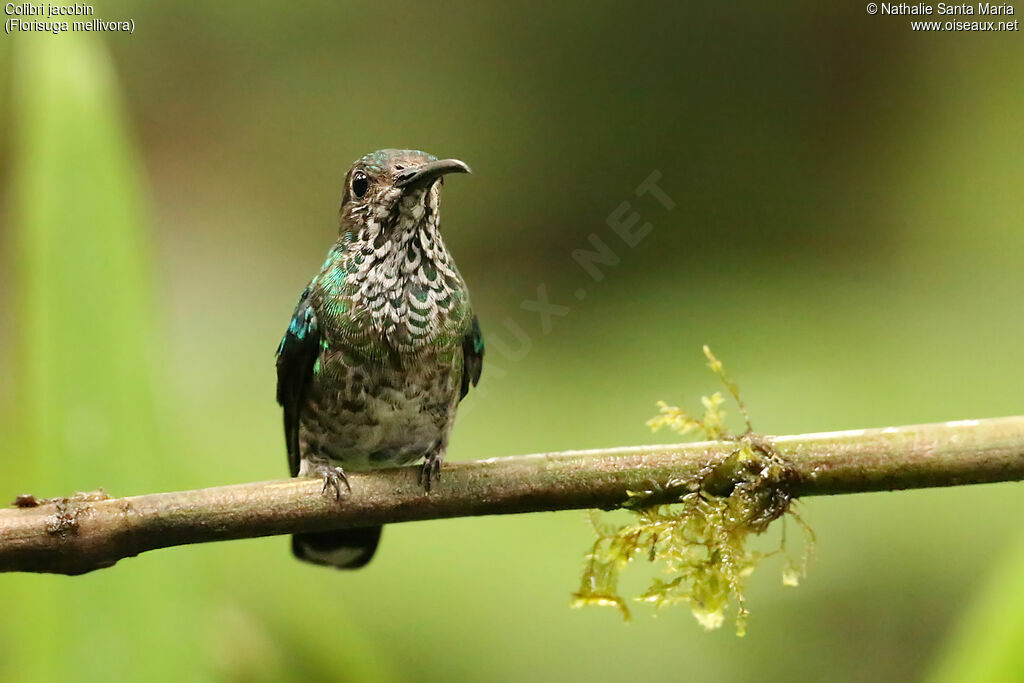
(334, 478)
(431, 470)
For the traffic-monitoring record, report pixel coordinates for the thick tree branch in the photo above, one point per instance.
(90, 531)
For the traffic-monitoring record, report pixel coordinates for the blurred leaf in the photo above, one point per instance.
(989, 642)
(85, 324)
(85, 389)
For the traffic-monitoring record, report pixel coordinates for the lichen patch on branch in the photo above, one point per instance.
(701, 541)
(68, 510)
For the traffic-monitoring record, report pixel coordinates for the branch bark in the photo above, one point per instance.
(91, 531)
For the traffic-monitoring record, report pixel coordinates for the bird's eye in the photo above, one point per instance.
(360, 184)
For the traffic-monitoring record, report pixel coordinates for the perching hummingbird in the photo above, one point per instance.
(383, 343)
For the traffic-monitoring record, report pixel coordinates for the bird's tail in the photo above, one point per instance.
(342, 549)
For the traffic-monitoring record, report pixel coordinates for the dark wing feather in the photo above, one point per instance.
(296, 357)
(472, 357)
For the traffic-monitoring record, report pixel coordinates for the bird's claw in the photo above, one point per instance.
(431, 471)
(334, 477)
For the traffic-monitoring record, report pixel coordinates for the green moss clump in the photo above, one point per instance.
(701, 538)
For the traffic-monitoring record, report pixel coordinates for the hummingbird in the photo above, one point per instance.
(382, 346)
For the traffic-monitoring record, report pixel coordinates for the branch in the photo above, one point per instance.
(91, 531)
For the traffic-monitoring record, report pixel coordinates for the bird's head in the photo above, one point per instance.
(394, 189)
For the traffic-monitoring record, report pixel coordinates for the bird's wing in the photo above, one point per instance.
(296, 357)
(472, 356)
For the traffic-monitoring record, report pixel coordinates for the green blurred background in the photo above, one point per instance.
(847, 237)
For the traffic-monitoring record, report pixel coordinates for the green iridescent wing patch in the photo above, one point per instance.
(296, 357)
(473, 357)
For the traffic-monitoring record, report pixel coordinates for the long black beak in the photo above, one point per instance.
(426, 173)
